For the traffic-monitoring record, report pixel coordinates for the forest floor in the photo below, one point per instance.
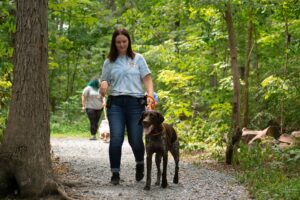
(82, 167)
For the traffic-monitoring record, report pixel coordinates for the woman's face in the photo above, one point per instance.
(122, 44)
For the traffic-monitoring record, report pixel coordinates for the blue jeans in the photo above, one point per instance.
(125, 112)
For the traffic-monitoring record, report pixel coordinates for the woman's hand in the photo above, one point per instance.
(103, 88)
(83, 101)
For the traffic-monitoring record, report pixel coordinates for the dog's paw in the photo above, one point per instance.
(164, 184)
(147, 187)
(175, 180)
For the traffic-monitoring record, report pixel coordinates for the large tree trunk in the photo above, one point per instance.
(236, 86)
(25, 163)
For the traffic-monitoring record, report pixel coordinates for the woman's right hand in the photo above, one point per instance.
(103, 88)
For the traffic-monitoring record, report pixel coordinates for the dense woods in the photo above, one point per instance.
(218, 66)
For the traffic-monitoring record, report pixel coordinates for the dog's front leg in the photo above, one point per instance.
(149, 166)
(164, 174)
(158, 157)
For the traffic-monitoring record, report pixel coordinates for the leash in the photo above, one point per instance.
(105, 113)
(105, 109)
(151, 106)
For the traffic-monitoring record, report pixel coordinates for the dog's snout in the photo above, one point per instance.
(146, 123)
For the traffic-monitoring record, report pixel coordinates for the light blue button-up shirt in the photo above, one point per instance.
(125, 75)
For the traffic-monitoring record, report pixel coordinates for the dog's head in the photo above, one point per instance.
(151, 121)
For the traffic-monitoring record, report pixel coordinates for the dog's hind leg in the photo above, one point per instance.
(175, 153)
(157, 162)
(164, 183)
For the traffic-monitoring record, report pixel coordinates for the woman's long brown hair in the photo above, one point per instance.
(113, 53)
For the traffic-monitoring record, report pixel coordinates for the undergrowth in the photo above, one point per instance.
(270, 172)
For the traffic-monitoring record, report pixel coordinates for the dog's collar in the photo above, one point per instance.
(162, 127)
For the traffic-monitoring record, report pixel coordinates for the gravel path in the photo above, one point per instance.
(89, 176)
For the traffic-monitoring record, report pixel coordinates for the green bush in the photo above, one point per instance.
(69, 120)
(60, 126)
(3, 118)
(270, 172)
(206, 133)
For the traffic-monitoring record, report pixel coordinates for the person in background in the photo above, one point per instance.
(125, 74)
(92, 105)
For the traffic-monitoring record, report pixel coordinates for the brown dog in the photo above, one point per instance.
(160, 138)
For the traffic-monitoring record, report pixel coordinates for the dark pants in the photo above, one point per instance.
(94, 117)
(123, 113)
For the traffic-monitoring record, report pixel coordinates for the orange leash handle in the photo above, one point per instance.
(153, 104)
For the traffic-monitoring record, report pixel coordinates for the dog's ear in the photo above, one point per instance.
(160, 118)
(141, 118)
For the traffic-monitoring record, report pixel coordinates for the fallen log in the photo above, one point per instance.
(285, 138)
(296, 134)
(249, 136)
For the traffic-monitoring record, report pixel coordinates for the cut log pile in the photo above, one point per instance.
(284, 140)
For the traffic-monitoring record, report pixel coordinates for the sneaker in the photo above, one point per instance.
(93, 137)
(139, 172)
(115, 179)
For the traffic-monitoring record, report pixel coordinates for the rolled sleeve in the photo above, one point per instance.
(143, 66)
(105, 76)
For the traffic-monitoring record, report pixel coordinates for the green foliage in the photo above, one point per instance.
(7, 28)
(187, 52)
(3, 118)
(69, 109)
(274, 86)
(78, 44)
(60, 127)
(69, 120)
(270, 172)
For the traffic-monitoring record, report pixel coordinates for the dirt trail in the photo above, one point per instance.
(88, 176)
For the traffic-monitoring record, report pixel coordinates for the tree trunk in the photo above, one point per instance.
(256, 57)
(74, 73)
(111, 5)
(247, 65)
(236, 86)
(287, 41)
(25, 162)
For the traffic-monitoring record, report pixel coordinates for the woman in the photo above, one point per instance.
(125, 73)
(92, 105)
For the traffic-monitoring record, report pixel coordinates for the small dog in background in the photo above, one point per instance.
(160, 138)
(104, 130)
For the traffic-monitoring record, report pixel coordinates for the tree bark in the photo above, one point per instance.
(247, 66)
(256, 57)
(236, 85)
(287, 41)
(25, 162)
